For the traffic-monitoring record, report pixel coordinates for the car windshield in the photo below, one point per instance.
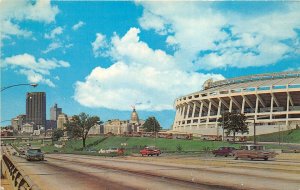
(256, 148)
(32, 151)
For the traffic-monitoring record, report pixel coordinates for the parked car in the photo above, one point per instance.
(22, 151)
(254, 152)
(150, 151)
(119, 151)
(224, 151)
(34, 154)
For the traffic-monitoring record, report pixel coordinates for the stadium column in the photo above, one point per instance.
(271, 110)
(176, 117)
(287, 109)
(188, 111)
(256, 108)
(218, 115)
(230, 105)
(201, 109)
(194, 108)
(243, 105)
(208, 113)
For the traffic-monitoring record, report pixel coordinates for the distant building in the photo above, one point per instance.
(14, 124)
(51, 124)
(28, 128)
(17, 123)
(117, 126)
(96, 130)
(36, 108)
(54, 112)
(61, 120)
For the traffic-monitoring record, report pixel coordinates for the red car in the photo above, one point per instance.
(150, 151)
(224, 151)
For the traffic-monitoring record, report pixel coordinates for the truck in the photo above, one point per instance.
(253, 152)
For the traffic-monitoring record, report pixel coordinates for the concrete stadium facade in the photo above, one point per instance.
(272, 101)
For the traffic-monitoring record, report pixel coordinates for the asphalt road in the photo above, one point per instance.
(62, 171)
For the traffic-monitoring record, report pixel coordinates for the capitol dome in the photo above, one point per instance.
(134, 117)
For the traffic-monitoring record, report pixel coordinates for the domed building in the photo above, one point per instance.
(134, 117)
(118, 127)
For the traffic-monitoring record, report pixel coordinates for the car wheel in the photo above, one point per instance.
(252, 158)
(226, 155)
(236, 158)
(266, 159)
(157, 154)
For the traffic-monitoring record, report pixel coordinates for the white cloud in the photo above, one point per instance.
(55, 32)
(99, 45)
(139, 75)
(52, 46)
(208, 38)
(56, 45)
(35, 70)
(15, 11)
(78, 25)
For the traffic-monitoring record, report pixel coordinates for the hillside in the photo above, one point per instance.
(291, 136)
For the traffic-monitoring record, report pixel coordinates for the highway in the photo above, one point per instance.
(67, 171)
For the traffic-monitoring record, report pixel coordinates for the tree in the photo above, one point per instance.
(234, 123)
(151, 125)
(56, 134)
(80, 125)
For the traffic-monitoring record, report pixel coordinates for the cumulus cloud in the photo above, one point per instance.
(140, 75)
(78, 25)
(15, 11)
(36, 71)
(211, 38)
(56, 31)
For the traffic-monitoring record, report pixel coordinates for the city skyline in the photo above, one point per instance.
(102, 62)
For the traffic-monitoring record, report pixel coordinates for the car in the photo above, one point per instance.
(224, 151)
(22, 151)
(254, 152)
(34, 154)
(150, 151)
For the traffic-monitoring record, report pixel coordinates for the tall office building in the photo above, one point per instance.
(54, 112)
(36, 108)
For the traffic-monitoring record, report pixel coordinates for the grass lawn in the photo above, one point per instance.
(291, 136)
(71, 145)
(134, 144)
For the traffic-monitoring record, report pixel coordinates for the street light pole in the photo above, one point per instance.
(32, 84)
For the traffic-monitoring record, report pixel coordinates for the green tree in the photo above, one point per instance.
(151, 125)
(234, 123)
(79, 126)
(56, 134)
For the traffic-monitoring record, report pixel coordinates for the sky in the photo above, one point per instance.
(102, 58)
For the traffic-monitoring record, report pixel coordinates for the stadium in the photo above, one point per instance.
(270, 101)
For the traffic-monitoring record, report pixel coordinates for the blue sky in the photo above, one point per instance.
(103, 57)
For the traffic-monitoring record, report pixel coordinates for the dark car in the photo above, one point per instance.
(224, 151)
(34, 154)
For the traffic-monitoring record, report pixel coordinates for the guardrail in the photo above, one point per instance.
(19, 180)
